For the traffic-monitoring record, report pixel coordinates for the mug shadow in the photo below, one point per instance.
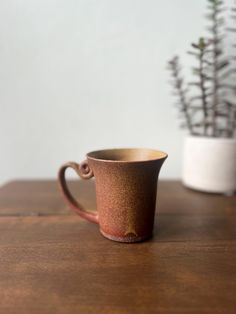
(171, 227)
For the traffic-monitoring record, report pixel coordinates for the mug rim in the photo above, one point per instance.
(162, 155)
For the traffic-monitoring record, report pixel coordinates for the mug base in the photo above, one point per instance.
(127, 239)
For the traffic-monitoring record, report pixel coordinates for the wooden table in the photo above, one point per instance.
(52, 261)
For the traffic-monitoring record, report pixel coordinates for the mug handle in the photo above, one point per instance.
(85, 172)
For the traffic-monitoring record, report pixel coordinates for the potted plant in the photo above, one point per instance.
(209, 113)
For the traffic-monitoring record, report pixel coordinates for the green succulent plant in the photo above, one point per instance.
(211, 110)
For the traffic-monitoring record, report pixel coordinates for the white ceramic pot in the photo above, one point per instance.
(209, 164)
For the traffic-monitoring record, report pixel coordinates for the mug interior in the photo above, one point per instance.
(127, 154)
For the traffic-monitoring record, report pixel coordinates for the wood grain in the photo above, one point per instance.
(52, 261)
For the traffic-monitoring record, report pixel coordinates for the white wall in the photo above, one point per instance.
(79, 75)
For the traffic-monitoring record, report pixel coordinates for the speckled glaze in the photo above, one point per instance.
(126, 187)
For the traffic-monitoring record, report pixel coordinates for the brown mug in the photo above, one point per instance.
(126, 188)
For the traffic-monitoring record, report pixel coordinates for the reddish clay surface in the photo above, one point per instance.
(126, 187)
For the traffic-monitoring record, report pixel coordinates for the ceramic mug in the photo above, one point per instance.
(126, 188)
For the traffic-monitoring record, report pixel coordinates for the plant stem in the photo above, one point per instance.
(215, 98)
(183, 101)
(203, 90)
